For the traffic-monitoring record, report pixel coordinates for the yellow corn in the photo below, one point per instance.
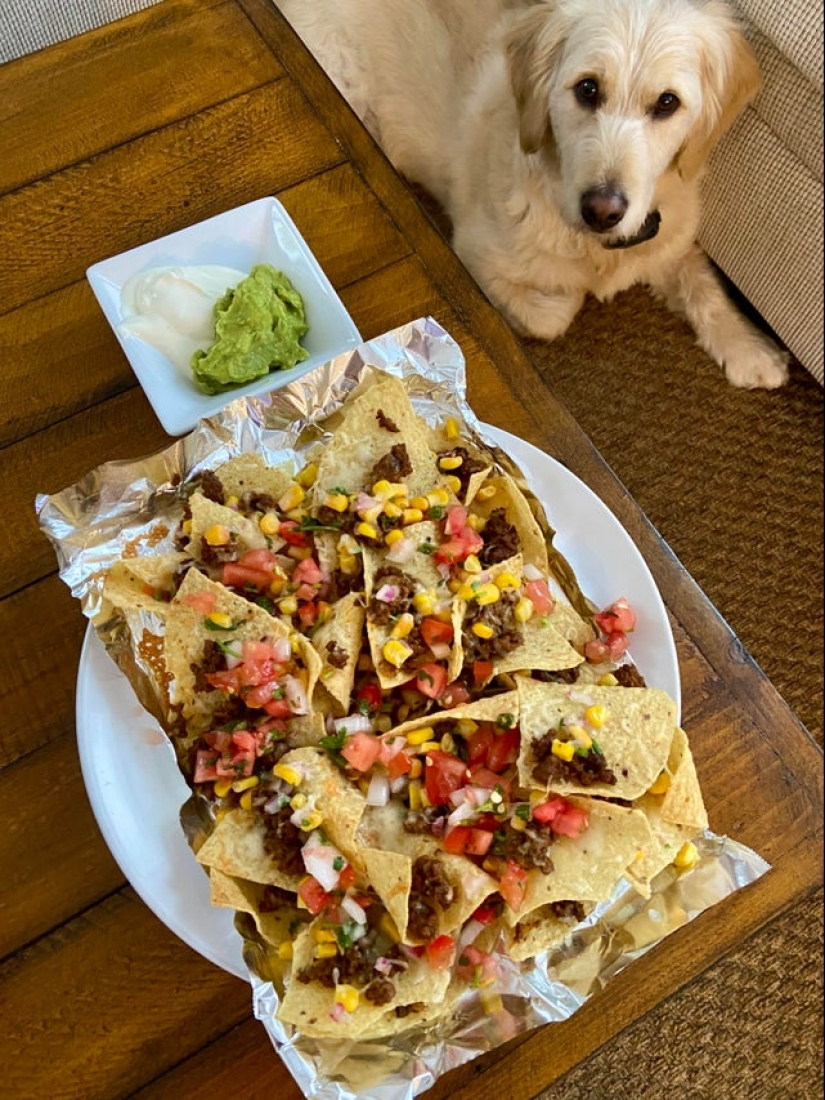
(338, 502)
(288, 605)
(419, 736)
(487, 593)
(687, 856)
(453, 484)
(222, 787)
(347, 996)
(240, 785)
(450, 462)
(564, 750)
(660, 785)
(608, 680)
(506, 580)
(402, 626)
(220, 814)
(312, 820)
(416, 768)
(221, 619)
(366, 530)
(381, 488)
(231, 501)
(447, 743)
(396, 651)
(451, 428)
(387, 925)
(537, 797)
(186, 527)
(466, 727)
(285, 950)
(466, 592)
(472, 564)
(438, 498)
(581, 737)
(394, 536)
(475, 521)
(217, 535)
(428, 746)
(298, 801)
(487, 492)
(597, 715)
(326, 951)
(307, 475)
(424, 603)
(482, 630)
(392, 510)
(269, 523)
(288, 774)
(523, 611)
(324, 935)
(292, 497)
(518, 823)
(414, 794)
(245, 801)
(411, 515)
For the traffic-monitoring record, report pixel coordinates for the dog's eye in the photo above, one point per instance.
(666, 105)
(587, 92)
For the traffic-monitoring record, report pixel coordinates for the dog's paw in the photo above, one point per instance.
(759, 365)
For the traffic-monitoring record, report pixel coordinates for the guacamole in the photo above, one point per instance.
(258, 328)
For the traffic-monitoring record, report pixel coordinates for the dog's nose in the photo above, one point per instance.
(603, 207)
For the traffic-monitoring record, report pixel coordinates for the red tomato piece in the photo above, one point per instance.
(436, 632)
(486, 913)
(289, 530)
(456, 520)
(313, 895)
(596, 651)
(398, 765)
(482, 672)
(454, 695)
(504, 749)
(346, 878)
(440, 952)
(443, 774)
(538, 592)
(617, 644)
(562, 816)
(307, 613)
(241, 576)
(431, 679)
(260, 695)
(513, 884)
(204, 602)
(455, 841)
(478, 842)
(278, 708)
(619, 616)
(476, 966)
(258, 559)
(307, 571)
(205, 769)
(370, 695)
(225, 679)
(361, 750)
(478, 744)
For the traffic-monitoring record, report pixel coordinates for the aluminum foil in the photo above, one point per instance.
(131, 508)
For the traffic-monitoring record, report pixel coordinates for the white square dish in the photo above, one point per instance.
(258, 232)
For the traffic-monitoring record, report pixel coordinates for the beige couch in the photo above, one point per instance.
(763, 213)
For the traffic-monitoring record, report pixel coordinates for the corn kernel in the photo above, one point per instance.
(660, 785)
(217, 535)
(285, 950)
(394, 536)
(475, 521)
(411, 515)
(523, 611)
(396, 651)
(450, 462)
(466, 727)
(325, 951)
(438, 498)
(429, 746)
(608, 680)
(186, 527)
(240, 785)
(299, 553)
(366, 530)
(597, 715)
(482, 630)
(221, 619)
(220, 814)
(347, 996)
(414, 794)
(487, 492)
(311, 822)
(288, 605)
(687, 856)
(582, 738)
(537, 797)
(416, 768)
(338, 502)
(472, 564)
(298, 801)
(381, 488)
(419, 736)
(564, 750)
(447, 743)
(420, 503)
(245, 801)
(453, 484)
(402, 626)
(324, 935)
(506, 580)
(292, 497)
(424, 603)
(288, 774)
(392, 510)
(487, 594)
(451, 428)
(222, 787)
(232, 501)
(423, 800)
(518, 823)
(269, 523)
(466, 592)
(307, 475)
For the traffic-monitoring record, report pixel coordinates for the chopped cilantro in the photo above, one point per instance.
(435, 512)
(333, 743)
(426, 548)
(505, 721)
(214, 626)
(309, 523)
(338, 863)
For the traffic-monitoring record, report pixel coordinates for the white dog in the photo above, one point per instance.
(565, 139)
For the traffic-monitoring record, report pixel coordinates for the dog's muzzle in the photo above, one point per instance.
(648, 229)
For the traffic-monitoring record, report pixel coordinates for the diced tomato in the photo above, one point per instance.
(478, 744)
(455, 841)
(513, 884)
(431, 680)
(313, 895)
(619, 616)
(205, 769)
(307, 571)
(278, 708)
(225, 679)
(346, 878)
(455, 694)
(455, 520)
(203, 602)
(478, 842)
(440, 952)
(538, 592)
(235, 575)
(476, 966)
(361, 750)
(562, 816)
(398, 765)
(237, 760)
(459, 547)
(261, 694)
(307, 613)
(617, 644)
(370, 695)
(443, 774)
(484, 777)
(482, 672)
(504, 749)
(486, 913)
(290, 532)
(435, 632)
(596, 651)
(262, 559)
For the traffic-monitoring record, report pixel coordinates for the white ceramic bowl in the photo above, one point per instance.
(259, 232)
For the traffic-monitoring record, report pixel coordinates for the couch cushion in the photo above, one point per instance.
(795, 27)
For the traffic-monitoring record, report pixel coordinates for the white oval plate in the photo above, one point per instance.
(129, 767)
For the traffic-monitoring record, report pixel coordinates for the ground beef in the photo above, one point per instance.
(379, 612)
(211, 487)
(568, 910)
(430, 890)
(507, 634)
(465, 471)
(407, 1010)
(341, 521)
(559, 676)
(380, 991)
(257, 502)
(394, 466)
(385, 422)
(217, 555)
(529, 847)
(336, 655)
(341, 584)
(212, 660)
(586, 770)
(629, 676)
(356, 966)
(501, 539)
(283, 841)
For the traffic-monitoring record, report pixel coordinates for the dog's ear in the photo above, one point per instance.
(730, 80)
(533, 43)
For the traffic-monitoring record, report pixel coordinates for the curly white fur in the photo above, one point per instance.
(480, 102)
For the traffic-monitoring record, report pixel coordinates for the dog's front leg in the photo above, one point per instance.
(750, 358)
(534, 312)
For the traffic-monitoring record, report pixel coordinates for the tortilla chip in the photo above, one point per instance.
(635, 738)
(329, 790)
(206, 513)
(506, 494)
(236, 848)
(489, 709)
(273, 924)
(249, 473)
(540, 931)
(144, 584)
(339, 638)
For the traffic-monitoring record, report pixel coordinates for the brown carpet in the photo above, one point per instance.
(733, 481)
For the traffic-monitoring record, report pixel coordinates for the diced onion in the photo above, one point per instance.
(441, 650)
(576, 695)
(461, 813)
(378, 791)
(353, 723)
(232, 652)
(469, 932)
(319, 857)
(401, 551)
(532, 572)
(387, 593)
(353, 909)
(296, 695)
(283, 650)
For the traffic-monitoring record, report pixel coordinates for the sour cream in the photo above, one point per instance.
(171, 308)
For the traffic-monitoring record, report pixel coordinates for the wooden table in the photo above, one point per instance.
(110, 140)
